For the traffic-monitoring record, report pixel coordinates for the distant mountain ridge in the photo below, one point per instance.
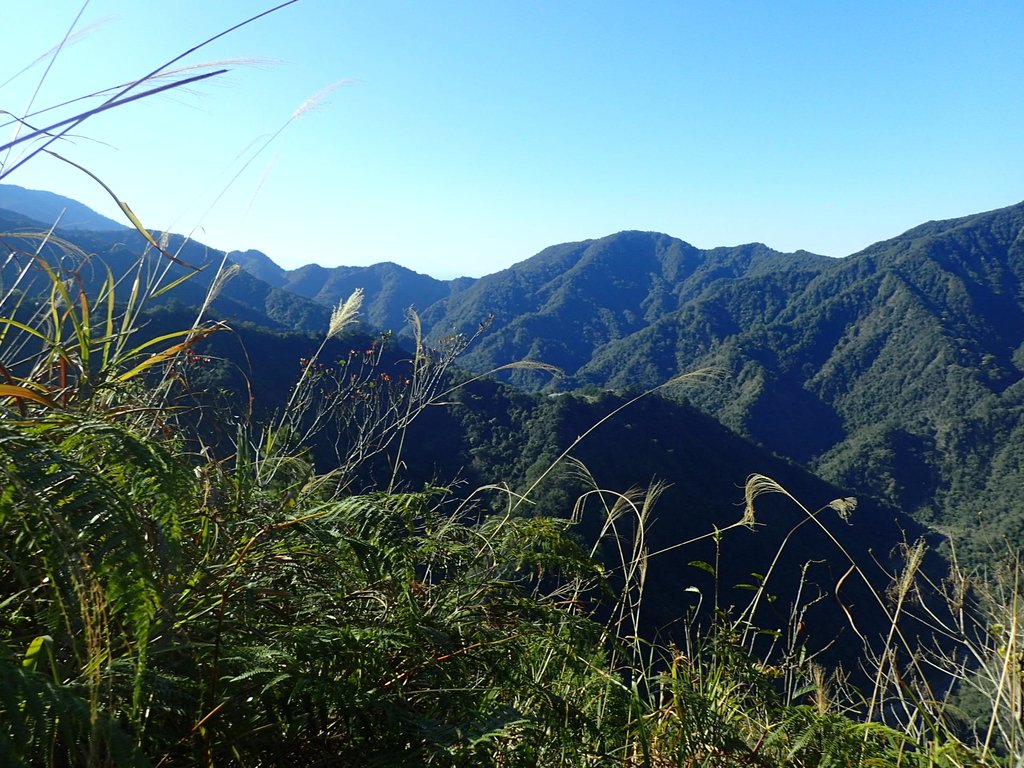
(896, 372)
(49, 208)
(570, 301)
(240, 299)
(390, 289)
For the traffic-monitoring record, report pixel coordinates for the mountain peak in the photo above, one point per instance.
(258, 264)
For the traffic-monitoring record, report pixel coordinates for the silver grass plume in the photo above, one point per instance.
(757, 485)
(915, 556)
(844, 507)
(221, 280)
(314, 100)
(345, 314)
(822, 697)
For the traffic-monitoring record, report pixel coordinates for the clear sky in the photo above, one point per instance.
(469, 135)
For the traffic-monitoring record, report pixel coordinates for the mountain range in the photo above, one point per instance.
(894, 373)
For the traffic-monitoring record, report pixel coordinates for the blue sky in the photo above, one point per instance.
(466, 136)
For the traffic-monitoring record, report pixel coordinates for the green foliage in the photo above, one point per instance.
(904, 358)
(894, 372)
(165, 606)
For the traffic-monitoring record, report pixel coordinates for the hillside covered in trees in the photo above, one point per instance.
(894, 372)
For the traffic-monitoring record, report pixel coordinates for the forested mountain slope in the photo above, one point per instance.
(569, 302)
(897, 369)
(390, 289)
(894, 372)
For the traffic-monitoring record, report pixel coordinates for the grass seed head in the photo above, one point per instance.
(344, 315)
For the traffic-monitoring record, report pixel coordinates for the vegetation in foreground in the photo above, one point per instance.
(165, 603)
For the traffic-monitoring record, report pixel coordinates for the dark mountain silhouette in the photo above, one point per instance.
(494, 431)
